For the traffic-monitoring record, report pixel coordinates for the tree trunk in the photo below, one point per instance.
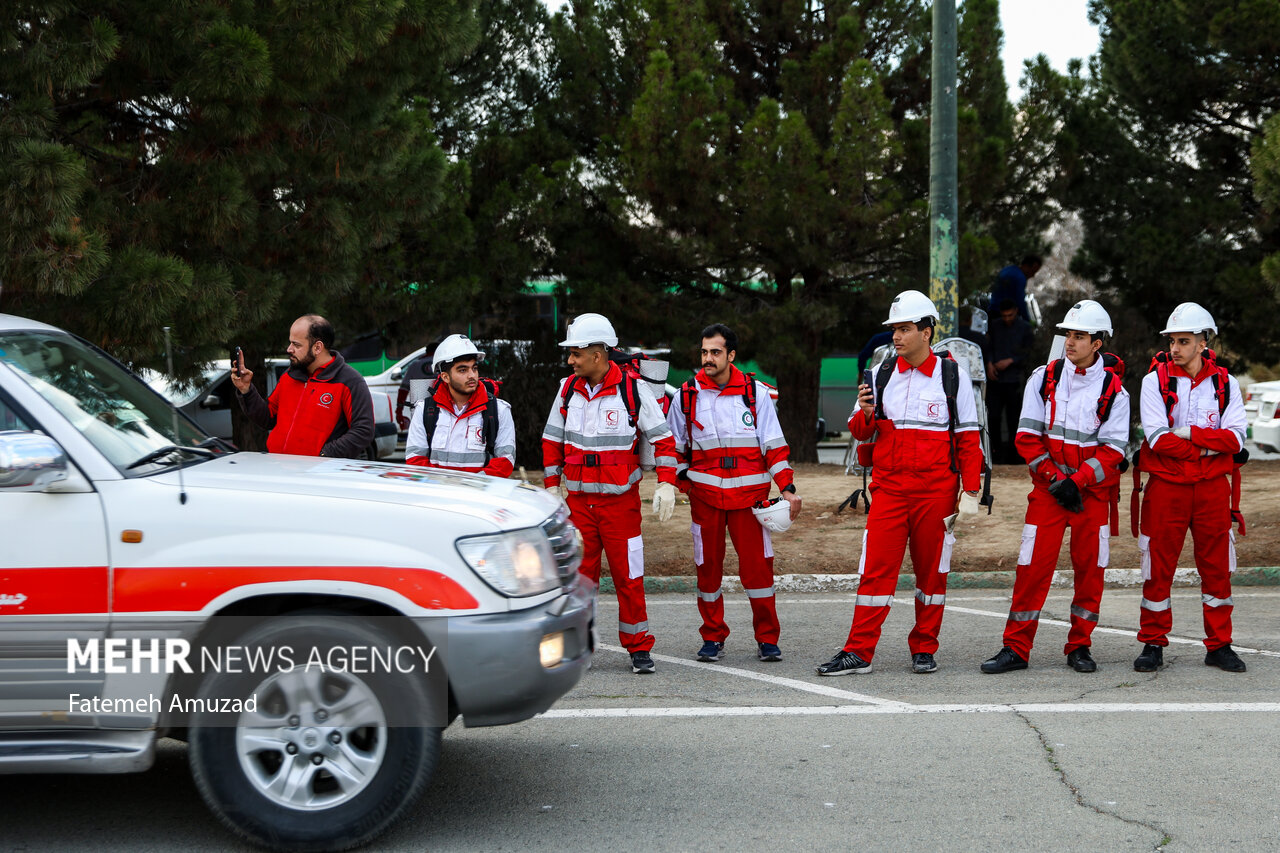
(798, 404)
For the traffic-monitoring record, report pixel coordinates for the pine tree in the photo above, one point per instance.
(218, 167)
(768, 167)
(1160, 163)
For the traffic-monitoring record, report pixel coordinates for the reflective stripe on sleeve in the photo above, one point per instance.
(1098, 473)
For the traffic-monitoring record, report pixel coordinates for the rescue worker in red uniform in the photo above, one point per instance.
(727, 455)
(1188, 454)
(1073, 454)
(458, 441)
(590, 440)
(914, 490)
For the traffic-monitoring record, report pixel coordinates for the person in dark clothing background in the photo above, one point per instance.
(1011, 283)
(1009, 349)
(868, 351)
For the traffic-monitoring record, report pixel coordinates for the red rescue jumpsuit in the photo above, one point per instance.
(1188, 489)
(1063, 437)
(595, 443)
(914, 490)
(730, 458)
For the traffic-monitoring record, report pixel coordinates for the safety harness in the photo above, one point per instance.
(1221, 379)
(1113, 385)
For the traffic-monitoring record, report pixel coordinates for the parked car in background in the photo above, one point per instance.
(1266, 424)
(208, 401)
(1253, 397)
(332, 616)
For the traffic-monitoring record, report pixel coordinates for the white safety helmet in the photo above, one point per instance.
(1190, 317)
(1087, 316)
(911, 306)
(773, 515)
(590, 329)
(451, 349)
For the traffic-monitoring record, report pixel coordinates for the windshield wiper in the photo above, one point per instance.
(167, 450)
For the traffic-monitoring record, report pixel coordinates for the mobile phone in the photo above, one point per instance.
(236, 354)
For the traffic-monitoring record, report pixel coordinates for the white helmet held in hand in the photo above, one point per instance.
(451, 349)
(773, 515)
(911, 306)
(1087, 316)
(1190, 317)
(590, 329)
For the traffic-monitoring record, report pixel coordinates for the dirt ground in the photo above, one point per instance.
(824, 541)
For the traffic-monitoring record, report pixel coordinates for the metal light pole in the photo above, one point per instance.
(944, 231)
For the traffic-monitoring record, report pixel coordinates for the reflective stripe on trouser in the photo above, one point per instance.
(896, 523)
(610, 525)
(755, 568)
(1169, 510)
(1046, 524)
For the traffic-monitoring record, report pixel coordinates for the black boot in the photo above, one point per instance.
(1080, 660)
(1151, 659)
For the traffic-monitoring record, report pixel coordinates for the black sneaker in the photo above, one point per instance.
(711, 651)
(641, 663)
(923, 662)
(1006, 660)
(1151, 659)
(844, 663)
(1081, 661)
(769, 651)
(1225, 659)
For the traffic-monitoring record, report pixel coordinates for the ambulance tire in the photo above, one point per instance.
(292, 776)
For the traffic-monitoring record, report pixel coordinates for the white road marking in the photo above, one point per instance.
(820, 689)
(1129, 632)
(903, 708)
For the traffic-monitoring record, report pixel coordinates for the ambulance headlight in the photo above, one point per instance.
(516, 563)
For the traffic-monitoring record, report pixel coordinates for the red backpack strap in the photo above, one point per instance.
(1160, 364)
(688, 405)
(1049, 388)
(565, 394)
(750, 394)
(630, 395)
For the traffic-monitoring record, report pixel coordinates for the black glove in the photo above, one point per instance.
(1241, 457)
(1067, 494)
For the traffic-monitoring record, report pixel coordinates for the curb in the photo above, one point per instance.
(1113, 578)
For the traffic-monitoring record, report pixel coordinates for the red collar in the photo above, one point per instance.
(1206, 370)
(612, 378)
(737, 383)
(477, 401)
(926, 367)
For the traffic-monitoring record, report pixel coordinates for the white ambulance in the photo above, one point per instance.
(309, 626)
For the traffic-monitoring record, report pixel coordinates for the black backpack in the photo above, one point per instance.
(950, 387)
(488, 416)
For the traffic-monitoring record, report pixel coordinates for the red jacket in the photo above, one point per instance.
(328, 413)
(913, 445)
(733, 456)
(595, 443)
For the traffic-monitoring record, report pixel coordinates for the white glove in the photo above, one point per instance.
(664, 501)
(1183, 432)
(968, 505)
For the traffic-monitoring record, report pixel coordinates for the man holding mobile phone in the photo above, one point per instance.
(321, 405)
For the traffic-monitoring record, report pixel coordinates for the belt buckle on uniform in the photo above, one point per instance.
(591, 459)
(728, 462)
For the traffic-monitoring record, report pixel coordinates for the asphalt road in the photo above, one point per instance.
(742, 755)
